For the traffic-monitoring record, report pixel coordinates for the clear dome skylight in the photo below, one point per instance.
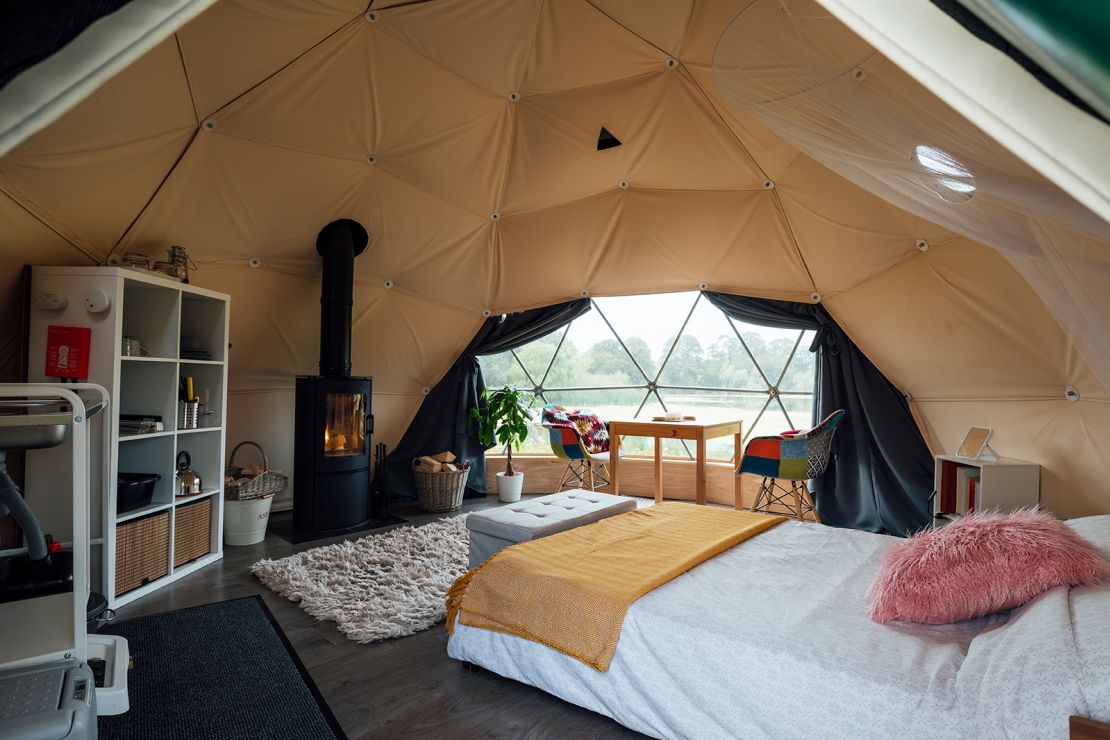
(951, 180)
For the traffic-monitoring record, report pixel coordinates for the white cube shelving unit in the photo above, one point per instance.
(1004, 485)
(158, 312)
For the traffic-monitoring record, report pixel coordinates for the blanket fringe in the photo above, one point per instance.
(455, 596)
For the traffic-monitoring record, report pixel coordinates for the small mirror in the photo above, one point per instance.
(975, 441)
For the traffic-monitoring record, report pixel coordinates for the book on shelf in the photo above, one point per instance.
(130, 424)
(948, 487)
(965, 501)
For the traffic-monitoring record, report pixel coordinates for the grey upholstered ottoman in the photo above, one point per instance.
(492, 529)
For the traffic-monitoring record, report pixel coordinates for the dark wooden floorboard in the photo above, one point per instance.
(405, 688)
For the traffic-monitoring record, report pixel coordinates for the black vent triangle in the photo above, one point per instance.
(606, 140)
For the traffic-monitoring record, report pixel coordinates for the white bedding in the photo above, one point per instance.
(771, 640)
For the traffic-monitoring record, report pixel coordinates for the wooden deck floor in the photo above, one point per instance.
(405, 688)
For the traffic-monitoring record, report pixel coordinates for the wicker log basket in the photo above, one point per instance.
(442, 490)
(241, 485)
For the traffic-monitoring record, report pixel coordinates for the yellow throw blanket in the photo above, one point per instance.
(571, 590)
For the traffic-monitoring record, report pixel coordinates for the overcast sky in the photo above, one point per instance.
(656, 318)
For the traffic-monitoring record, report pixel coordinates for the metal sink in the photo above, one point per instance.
(33, 431)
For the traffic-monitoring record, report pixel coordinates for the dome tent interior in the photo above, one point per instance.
(945, 208)
(462, 135)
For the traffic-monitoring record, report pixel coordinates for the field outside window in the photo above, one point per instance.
(634, 357)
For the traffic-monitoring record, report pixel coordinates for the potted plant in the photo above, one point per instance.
(502, 418)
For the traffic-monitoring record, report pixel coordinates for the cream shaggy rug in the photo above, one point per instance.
(381, 586)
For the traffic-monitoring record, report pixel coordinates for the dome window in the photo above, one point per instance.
(950, 179)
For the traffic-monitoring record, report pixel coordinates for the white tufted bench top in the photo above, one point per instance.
(539, 517)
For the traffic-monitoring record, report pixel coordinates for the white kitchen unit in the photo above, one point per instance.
(176, 324)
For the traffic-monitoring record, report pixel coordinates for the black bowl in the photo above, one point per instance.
(134, 490)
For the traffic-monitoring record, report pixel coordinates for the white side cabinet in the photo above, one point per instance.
(183, 332)
(1003, 485)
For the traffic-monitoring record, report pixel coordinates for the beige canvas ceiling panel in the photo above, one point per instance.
(845, 233)
(1084, 263)
(236, 44)
(643, 241)
(674, 141)
(958, 322)
(549, 256)
(708, 20)
(437, 130)
(321, 102)
(675, 240)
(24, 240)
(423, 244)
(484, 41)
(231, 199)
(273, 332)
(662, 23)
(577, 45)
(1068, 439)
(405, 343)
(367, 94)
(771, 152)
(393, 412)
(90, 173)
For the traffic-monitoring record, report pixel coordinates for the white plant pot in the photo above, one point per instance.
(245, 521)
(509, 487)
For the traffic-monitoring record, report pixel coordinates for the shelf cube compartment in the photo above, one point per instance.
(203, 328)
(142, 551)
(154, 455)
(208, 386)
(149, 389)
(150, 316)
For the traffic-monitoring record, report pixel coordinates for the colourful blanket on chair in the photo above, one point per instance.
(571, 590)
(590, 427)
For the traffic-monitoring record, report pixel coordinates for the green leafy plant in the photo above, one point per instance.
(502, 417)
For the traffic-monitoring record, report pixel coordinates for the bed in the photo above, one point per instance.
(771, 639)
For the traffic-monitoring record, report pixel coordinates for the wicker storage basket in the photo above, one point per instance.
(439, 491)
(192, 531)
(142, 551)
(270, 481)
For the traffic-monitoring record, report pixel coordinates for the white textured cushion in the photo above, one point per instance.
(539, 517)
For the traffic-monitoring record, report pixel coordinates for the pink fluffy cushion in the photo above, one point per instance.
(981, 564)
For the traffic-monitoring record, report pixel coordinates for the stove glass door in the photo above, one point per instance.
(345, 425)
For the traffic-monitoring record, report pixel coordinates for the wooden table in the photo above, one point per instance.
(698, 431)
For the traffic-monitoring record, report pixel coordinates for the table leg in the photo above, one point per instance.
(738, 441)
(614, 463)
(658, 470)
(700, 495)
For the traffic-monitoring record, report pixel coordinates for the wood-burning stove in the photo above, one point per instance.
(331, 439)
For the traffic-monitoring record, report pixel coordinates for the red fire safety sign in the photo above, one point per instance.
(67, 351)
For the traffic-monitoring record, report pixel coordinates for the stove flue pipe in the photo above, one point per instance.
(338, 243)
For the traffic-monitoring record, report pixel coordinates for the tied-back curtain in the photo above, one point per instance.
(881, 474)
(443, 421)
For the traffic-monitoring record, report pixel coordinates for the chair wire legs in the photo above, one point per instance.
(588, 474)
(795, 500)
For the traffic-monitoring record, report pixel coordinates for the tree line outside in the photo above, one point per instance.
(593, 376)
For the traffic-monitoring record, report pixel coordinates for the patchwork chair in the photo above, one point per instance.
(796, 457)
(582, 439)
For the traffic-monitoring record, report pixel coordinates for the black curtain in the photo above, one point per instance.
(881, 474)
(443, 421)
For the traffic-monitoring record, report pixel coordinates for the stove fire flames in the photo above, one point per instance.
(344, 425)
(331, 439)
